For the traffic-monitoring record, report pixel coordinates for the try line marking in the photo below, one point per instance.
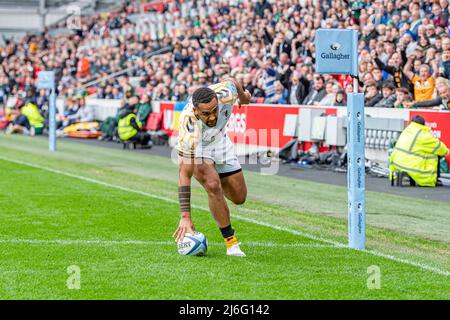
(239, 217)
(154, 243)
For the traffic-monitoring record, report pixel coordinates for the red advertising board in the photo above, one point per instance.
(439, 122)
(263, 125)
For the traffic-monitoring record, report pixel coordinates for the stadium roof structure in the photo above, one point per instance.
(18, 17)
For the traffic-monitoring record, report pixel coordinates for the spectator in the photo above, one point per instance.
(84, 112)
(389, 97)
(403, 98)
(444, 64)
(372, 96)
(144, 109)
(340, 99)
(317, 93)
(441, 102)
(261, 7)
(298, 89)
(264, 41)
(423, 83)
(281, 95)
(235, 60)
(331, 89)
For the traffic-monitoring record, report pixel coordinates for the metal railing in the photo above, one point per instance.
(118, 73)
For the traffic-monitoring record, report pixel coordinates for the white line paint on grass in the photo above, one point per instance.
(153, 243)
(254, 221)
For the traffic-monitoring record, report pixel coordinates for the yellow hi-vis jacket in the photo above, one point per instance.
(416, 153)
(126, 130)
(31, 111)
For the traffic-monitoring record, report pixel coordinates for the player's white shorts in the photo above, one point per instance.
(221, 151)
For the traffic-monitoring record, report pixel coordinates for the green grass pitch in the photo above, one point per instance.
(111, 213)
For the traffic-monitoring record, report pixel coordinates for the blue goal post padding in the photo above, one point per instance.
(337, 51)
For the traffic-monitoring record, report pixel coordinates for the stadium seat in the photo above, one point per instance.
(154, 121)
(3, 123)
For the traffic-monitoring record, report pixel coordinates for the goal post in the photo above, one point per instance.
(337, 53)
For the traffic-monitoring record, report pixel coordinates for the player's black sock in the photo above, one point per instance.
(227, 231)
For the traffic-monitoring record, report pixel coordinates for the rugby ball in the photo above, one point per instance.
(193, 244)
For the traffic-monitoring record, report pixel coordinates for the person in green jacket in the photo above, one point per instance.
(109, 126)
(417, 153)
(144, 109)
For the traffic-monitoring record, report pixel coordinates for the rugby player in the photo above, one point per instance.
(206, 153)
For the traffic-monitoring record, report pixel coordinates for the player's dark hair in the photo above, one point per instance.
(203, 95)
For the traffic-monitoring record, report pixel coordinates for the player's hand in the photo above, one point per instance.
(248, 95)
(185, 225)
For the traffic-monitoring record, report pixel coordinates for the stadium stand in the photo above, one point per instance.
(268, 45)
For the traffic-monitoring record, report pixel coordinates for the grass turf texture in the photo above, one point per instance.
(49, 218)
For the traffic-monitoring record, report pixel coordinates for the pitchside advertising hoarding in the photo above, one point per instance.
(259, 117)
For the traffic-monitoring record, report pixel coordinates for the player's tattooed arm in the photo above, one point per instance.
(184, 196)
(186, 171)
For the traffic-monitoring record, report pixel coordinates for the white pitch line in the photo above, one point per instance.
(261, 223)
(154, 243)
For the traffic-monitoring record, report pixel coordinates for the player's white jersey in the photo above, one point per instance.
(193, 133)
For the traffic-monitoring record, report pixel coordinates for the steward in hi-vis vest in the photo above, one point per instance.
(416, 153)
(129, 126)
(30, 110)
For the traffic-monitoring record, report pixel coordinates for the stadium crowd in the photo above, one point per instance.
(404, 50)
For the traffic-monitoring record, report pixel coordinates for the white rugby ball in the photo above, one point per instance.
(193, 244)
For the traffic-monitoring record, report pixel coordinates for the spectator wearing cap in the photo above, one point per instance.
(416, 153)
(388, 100)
